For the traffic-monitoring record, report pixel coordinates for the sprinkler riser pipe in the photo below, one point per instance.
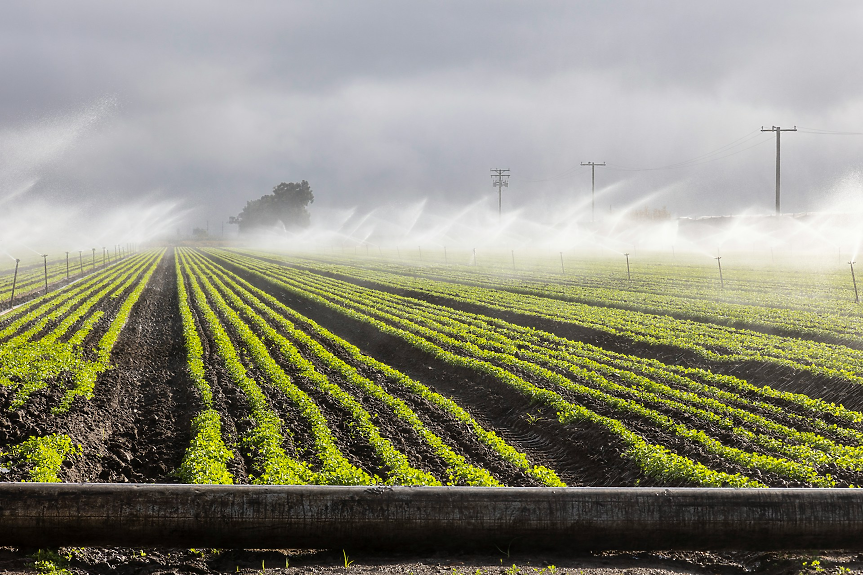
(14, 281)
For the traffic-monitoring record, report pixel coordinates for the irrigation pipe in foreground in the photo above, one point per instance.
(279, 517)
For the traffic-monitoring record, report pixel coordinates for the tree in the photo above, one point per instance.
(286, 206)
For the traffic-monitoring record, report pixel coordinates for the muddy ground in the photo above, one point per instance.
(121, 561)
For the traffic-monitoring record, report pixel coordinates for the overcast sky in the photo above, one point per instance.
(211, 104)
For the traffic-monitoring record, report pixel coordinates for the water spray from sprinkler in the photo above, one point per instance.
(854, 279)
(628, 275)
(719, 263)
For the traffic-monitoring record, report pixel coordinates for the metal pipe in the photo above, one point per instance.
(854, 279)
(628, 275)
(562, 271)
(81, 261)
(67, 266)
(14, 281)
(144, 515)
(721, 281)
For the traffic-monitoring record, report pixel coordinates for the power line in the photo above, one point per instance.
(698, 160)
(827, 132)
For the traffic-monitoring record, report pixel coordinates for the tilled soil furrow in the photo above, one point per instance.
(140, 415)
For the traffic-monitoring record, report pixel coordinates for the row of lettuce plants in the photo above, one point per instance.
(833, 325)
(458, 470)
(462, 342)
(28, 361)
(655, 460)
(807, 447)
(712, 342)
(207, 455)
(278, 314)
(335, 468)
(264, 440)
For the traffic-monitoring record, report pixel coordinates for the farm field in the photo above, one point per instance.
(207, 365)
(240, 366)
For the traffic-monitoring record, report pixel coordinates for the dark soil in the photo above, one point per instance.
(511, 561)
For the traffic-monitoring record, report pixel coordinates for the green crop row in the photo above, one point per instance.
(278, 313)
(205, 459)
(533, 345)
(654, 460)
(37, 308)
(711, 342)
(264, 440)
(42, 457)
(459, 471)
(28, 364)
(461, 342)
(335, 469)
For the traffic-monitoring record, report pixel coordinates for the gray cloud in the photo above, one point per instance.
(393, 102)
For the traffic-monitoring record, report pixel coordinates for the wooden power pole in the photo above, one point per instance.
(778, 131)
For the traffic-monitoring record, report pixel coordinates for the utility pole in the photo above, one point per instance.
(778, 131)
(592, 187)
(500, 180)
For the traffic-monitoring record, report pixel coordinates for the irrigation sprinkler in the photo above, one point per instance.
(104, 256)
(854, 279)
(563, 271)
(81, 261)
(67, 266)
(513, 259)
(14, 281)
(628, 275)
(445, 261)
(474, 257)
(45, 263)
(420, 249)
(399, 252)
(94, 258)
(719, 263)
